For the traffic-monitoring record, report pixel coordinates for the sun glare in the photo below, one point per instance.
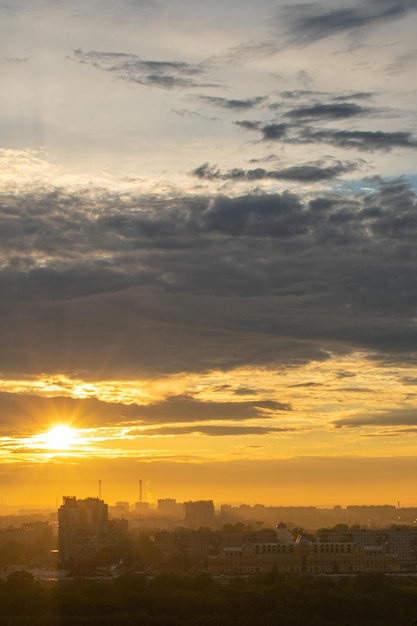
(60, 437)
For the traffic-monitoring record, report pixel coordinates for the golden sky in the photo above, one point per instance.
(207, 251)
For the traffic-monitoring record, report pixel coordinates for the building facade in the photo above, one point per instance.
(199, 514)
(303, 556)
(84, 529)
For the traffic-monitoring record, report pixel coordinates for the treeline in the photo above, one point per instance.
(173, 600)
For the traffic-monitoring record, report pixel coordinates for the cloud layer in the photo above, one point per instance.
(208, 218)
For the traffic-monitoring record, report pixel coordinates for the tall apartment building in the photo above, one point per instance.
(169, 507)
(84, 528)
(199, 514)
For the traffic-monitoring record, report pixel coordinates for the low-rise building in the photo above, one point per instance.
(302, 556)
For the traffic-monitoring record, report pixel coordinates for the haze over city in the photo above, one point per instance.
(208, 267)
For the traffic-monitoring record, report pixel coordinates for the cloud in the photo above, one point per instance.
(186, 408)
(403, 63)
(130, 67)
(307, 23)
(367, 141)
(233, 104)
(395, 417)
(30, 412)
(216, 431)
(138, 285)
(344, 110)
(16, 60)
(303, 173)
(363, 140)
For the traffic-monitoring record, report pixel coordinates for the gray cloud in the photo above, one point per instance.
(186, 408)
(217, 431)
(130, 67)
(303, 173)
(344, 110)
(28, 411)
(233, 104)
(367, 141)
(363, 140)
(395, 417)
(312, 22)
(403, 62)
(138, 285)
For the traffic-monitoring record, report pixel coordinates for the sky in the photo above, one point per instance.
(208, 267)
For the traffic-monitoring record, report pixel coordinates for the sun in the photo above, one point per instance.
(59, 437)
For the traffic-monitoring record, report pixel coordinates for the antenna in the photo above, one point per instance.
(99, 489)
(140, 491)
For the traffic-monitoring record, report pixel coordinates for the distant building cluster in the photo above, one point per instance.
(234, 540)
(303, 556)
(264, 551)
(168, 514)
(27, 534)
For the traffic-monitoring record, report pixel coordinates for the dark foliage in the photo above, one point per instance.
(174, 600)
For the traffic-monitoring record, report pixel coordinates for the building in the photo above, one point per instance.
(184, 549)
(199, 514)
(401, 542)
(302, 556)
(169, 507)
(28, 535)
(142, 508)
(84, 528)
(119, 510)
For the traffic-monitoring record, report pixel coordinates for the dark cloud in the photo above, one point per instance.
(295, 94)
(130, 67)
(26, 413)
(312, 22)
(233, 104)
(112, 285)
(357, 95)
(363, 140)
(395, 417)
(307, 385)
(270, 132)
(303, 173)
(248, 125)
(409, 380)
(246, 391)
(367, 141)
(188, 409)
(216, 431)
(344, 110)
(274, 132)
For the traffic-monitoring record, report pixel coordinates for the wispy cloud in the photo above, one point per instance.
(307, 23)
(216, 431)
(130, 67)
(336, 111)
(395, 417)
(233, 104)
(362, 140)
(303, 173)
